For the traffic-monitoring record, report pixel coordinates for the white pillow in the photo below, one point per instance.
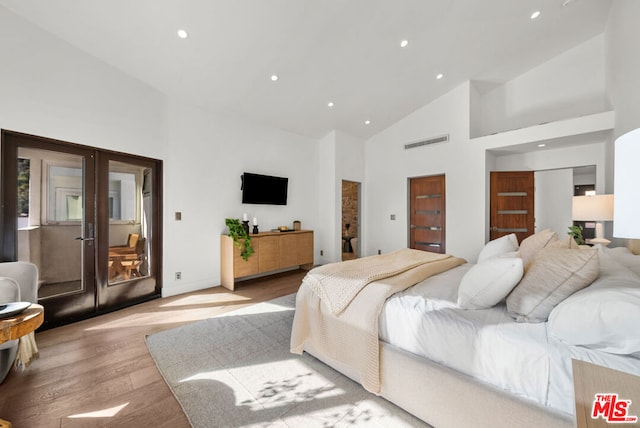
(603, 316)
(502, 245)
(489, 282)
(624, 256)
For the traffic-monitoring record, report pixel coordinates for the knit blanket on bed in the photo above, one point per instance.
(343, 325)
(338, 283)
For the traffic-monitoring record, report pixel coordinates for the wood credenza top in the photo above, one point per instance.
(269, 233)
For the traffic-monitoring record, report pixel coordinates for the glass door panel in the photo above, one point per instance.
(129, 207)
(48, 220)
(127, 260)
(51, 219)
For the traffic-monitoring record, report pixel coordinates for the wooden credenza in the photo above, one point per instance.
(272, 251)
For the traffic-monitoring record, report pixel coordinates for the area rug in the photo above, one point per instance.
(235, 370)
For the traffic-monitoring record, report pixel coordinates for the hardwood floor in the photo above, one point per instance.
(98, 372)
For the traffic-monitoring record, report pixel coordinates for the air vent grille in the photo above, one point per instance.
(435, 140)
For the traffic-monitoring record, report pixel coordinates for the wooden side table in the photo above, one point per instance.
(25, 322)
(590, 380)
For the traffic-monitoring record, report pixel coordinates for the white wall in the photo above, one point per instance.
(389, 166)
(349, 166)
(553, 200)
(569, 85)
(623, 63)
(622, 37)
(52, 89)
(327, 240)
(207, 155)
(565, 157)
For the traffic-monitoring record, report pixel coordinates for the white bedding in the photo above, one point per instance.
(487, 344)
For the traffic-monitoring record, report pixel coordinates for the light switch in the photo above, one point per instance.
(178, 216)
(393, 216)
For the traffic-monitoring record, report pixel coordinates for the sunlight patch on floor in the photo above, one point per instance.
(268, 386)
(159, 318)
(263, 308)
(203, 299)
(104, 413)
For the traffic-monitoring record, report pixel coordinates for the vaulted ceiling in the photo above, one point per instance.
(345, 52)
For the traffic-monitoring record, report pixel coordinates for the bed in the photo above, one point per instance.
(455, 349)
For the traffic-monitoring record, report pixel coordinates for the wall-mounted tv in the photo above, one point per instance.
(264, 189)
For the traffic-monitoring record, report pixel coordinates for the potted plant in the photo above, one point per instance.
(575, 232)
(240, 237)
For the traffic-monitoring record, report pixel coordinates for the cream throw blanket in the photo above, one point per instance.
(338, 305)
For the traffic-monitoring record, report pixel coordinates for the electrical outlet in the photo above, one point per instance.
(178, 275)
(379, 251)
(321, 252)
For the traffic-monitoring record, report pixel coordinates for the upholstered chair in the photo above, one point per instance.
(18, 283)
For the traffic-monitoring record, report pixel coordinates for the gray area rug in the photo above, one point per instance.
(235, 370)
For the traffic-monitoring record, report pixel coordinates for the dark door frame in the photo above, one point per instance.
(98, 296)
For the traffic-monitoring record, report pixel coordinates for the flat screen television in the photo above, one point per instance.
(264, 189)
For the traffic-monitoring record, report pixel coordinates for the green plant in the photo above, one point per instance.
(240, 237)
(575, 232)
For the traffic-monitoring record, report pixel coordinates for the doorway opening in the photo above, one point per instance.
(350, 220)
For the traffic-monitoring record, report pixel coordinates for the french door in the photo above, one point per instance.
(90, 219)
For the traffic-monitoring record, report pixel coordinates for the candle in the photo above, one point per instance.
(245, 217)
(255, 221)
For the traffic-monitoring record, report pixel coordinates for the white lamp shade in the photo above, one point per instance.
(626, 222)
(592, 208)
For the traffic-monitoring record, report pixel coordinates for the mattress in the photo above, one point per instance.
(487, 344)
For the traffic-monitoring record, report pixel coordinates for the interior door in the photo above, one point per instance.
(427, 213)
(89, 219)
(48, 218)
(512, 204)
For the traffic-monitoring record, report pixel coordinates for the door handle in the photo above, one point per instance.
(91, 234)
(413, 226)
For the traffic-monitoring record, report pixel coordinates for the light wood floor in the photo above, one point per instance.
(98, 372)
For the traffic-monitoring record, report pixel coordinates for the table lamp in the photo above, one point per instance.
(596, 208)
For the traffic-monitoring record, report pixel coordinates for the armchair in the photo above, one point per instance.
(18, 282)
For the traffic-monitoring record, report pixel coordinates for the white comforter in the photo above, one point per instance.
(487, 344)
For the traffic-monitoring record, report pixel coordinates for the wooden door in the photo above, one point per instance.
(427, 213)
(512, 204)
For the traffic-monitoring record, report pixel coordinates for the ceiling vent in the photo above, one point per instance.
(435, 140)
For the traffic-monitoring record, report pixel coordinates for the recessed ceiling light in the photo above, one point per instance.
(274, 77)
(535, 14)
(183, 34)
(404, 43)
(542, 145)
(439, 76)
(366, 122)
(330, 104)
